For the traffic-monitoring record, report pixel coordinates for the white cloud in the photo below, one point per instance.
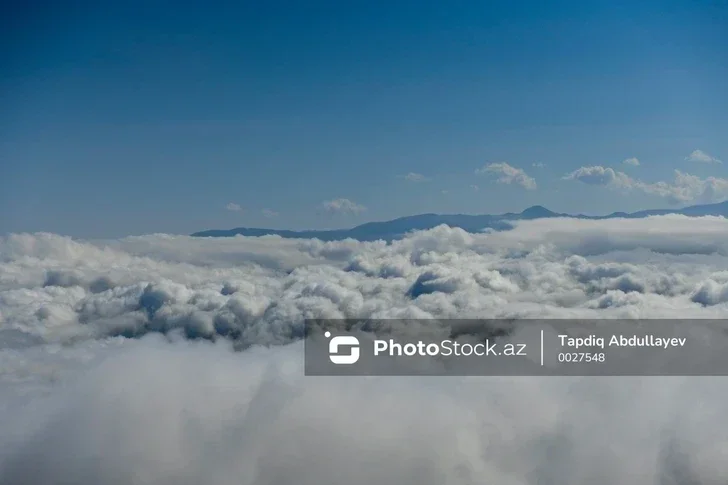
(50, 284)
(233, 207)
(343, 206)
(269, 213)
(509, 175)
(700, 156)
(444, 192)
(415, 177)
(538, 165)
(475, 187)
(631, 161)
(167, 410)
(598, 175)
(685, 188)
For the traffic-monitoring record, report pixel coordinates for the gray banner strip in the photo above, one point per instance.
(517, 347)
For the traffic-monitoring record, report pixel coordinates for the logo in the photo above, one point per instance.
(343, 341)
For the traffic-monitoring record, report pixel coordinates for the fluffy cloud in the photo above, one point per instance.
(509, 175)
(415, 177)
(233, 207)
(701, 157)
(343, 206)
(685, 188)
(100, 382)
(598, 175)
(56, 288)
(632, 161)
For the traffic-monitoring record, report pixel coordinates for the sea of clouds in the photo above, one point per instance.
(176, 360)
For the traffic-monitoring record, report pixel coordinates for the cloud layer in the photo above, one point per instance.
(90, 391)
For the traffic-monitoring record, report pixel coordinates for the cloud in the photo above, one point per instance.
(444, 192)
(233, 207)
(110, 373)
(538, 165)
(269, 213)
(475, 187)
(685, 188)
(53, 287)
(415, 177)
(700, 156)
(152, 412)
(598, 175)
(343, 206)
(509, 175)
(632, 161)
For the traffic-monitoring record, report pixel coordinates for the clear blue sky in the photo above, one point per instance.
(144, 117)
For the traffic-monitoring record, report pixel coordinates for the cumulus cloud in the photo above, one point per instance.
(55, 288)
(509, 175)
(415, 177)
(685, 187)
(233, 207)
(700, 156)
(631, 161)
(343, 206)
(269, 213)
(114, 369)
(598, 175)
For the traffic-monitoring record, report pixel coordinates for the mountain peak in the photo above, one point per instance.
(537, 211)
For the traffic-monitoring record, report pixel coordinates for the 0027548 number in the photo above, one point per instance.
(581, 357)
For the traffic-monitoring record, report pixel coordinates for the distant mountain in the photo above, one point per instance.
(397, 228)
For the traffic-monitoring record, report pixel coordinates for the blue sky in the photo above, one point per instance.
(144, 117)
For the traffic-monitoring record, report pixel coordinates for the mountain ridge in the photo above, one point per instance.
(397, 228)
